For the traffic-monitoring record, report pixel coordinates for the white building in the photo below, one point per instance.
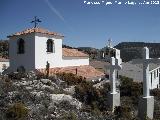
(36, 47)
(135, 71)
(4, 64)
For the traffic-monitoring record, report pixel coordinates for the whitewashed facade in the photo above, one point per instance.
(35, 54)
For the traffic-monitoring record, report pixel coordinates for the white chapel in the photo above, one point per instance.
(35, 47)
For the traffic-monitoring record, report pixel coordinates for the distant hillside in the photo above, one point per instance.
(133, 50)
(93, 52)
(67, 46)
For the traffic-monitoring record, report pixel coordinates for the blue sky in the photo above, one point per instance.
(82, 24)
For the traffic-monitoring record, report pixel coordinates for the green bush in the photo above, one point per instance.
(130, 88)
(85, 92)
(125, 86)
(123, 112)
(18, 111)
(136, 92)
(70, 78)
(69, 116)
(41, 76)
(17, 76)
(95, 99)
(49, 83)
(156, 93)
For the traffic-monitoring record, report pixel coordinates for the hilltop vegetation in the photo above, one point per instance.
(35, 97)
(4, 46)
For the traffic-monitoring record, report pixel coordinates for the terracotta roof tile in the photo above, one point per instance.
(73, 53)
(86, 71)
(36, 30)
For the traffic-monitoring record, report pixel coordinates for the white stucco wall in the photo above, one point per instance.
(1, 66)
(41, 56)
(55, 59)
(155, 79)
(28, 58)
(75, 61)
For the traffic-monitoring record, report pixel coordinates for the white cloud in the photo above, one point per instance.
(54, 10)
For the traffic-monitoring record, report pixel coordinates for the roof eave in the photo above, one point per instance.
(61, 36)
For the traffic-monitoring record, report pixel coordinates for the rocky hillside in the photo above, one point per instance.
(64, 96)
(34, 97)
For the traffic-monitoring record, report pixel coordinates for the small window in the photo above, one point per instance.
(50, 45)
(20, 45)
(112, 53)
(157, 72)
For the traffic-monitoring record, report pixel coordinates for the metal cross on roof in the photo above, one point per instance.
(36, 21)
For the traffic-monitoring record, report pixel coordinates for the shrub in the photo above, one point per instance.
(125, 86)
(69, 116)
(58, 91)
(49, 83)
(85, 92)
(130, 88)
(17, 111)
(8, 83)
(96, 99)
(65, 105)
(41, 76)
(70, 78)
(17, 75)
(136, 92)
(156, 93)
(123, 112)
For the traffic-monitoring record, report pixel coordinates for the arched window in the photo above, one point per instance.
(112, 53)
(21, 45)
(50, 45)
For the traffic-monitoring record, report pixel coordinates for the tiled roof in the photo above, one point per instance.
(36, 30)
(4, 60)
(84, 71)
(73, 53)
